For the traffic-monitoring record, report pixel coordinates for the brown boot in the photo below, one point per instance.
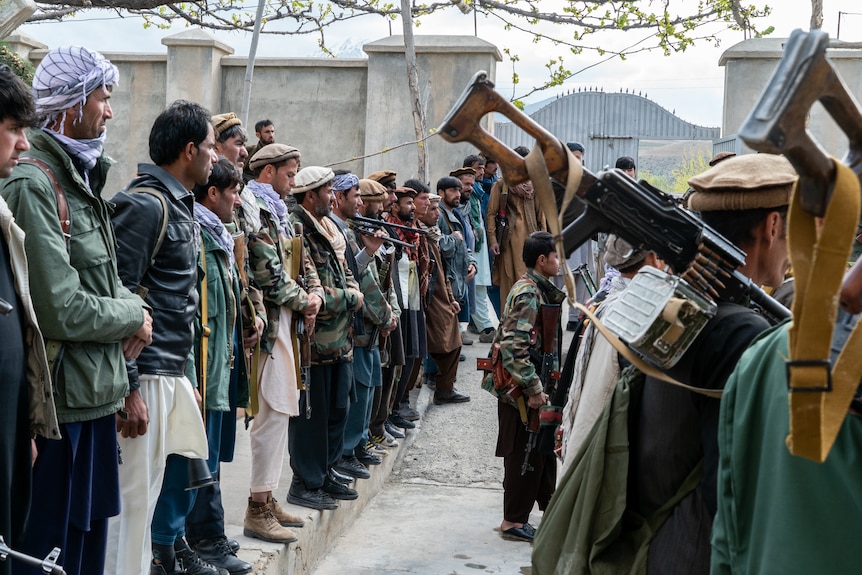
(285, 518)
(260, 523)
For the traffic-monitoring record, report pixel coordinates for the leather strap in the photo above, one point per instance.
(819, 393)
(62, 204)
(205, 336)
(254, 363)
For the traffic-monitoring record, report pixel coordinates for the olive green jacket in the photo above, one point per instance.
(77, 294)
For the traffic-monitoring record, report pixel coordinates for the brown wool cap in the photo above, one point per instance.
(620, 254)
(273, 154)
(404, 192)
(310, 178)
(462, 171)
(372, 191)
(224, 121)
(382, 176)
(746, 182)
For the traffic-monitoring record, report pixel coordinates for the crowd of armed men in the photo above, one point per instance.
(223, 276)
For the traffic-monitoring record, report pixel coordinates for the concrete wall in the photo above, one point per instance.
(331, 109)
(748, 68)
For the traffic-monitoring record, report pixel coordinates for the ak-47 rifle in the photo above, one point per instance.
(548, 375)
(47, 565)
(642, 215)
(303, 333)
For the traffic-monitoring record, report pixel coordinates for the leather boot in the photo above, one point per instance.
(286, 519)
(217, 552)
(260, 523)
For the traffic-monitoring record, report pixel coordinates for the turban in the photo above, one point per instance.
(66, 76)
(344, 182)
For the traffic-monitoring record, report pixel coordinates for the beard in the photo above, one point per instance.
(321, 210)
(406, 216)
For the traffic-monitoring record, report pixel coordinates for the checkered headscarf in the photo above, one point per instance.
(344, 182)
(66, 76)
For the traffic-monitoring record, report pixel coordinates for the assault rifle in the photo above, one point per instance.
(549, 376)
(46, 565)
(388, 225)
(642, 215)
(303, 334)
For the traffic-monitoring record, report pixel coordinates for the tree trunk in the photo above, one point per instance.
(816, 14)
(419, 125)
(249, 67)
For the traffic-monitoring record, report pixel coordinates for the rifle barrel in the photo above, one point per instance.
(363, 229)
(384, 224)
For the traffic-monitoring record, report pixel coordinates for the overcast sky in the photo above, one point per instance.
(691, 83)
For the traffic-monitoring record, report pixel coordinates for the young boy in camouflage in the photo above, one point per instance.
(520, 337)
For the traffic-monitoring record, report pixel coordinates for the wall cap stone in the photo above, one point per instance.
(25, 41)
(196, 38)
(435, 44)
(773, 48)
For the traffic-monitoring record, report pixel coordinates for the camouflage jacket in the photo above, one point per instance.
(333, 333)
(269, 260)
(520, 315)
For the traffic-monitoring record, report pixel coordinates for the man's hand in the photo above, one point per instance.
(456, 307)
(134, 344)
(393, 323)
(360, 300)
(137, 417)
(250, 336)
(34, 452)
(198, 398)
(538, 400)
(495, 249)
(315, 302)
(458, 235)
(471, 272)
(373, 242)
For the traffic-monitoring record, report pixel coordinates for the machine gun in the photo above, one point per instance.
(303, 334)
(46, 565)
(368, 230)
(642, 215)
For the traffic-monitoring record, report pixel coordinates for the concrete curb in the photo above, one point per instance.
(322, 528)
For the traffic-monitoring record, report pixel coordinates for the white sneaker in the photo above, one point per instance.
(386, 440)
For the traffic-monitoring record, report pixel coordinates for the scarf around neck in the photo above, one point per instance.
(211, 223)
(273, 202)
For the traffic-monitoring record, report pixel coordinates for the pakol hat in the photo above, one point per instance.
(720, 156)
(222, 122)
(273, 154)
(746, 182)
(382, 176)
(462, 171)
(405, 192)
(620, 254)
(310, 178)
(372, 191)
(432, 197)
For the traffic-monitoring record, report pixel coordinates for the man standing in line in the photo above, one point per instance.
(276, 268)
(316, 442)
(459, 262)
(264, 130)
(26, 397)
(211, 369)
(377, 317)
(157, 259)
(441, 308)
(463, 212)
(90, 321)
(520, 338)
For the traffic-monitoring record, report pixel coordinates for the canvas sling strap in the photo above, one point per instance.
(254, 363)
(820, 393)
(296, 257)
(541, 179)
(205, 337)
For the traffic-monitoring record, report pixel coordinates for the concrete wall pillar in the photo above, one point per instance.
(446, 65)
(194, 68)
(22, 45)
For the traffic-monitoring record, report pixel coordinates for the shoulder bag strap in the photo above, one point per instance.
(62, 204)
(164, 228)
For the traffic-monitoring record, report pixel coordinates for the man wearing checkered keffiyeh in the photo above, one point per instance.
(84, 311)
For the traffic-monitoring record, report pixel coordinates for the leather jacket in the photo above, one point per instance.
(169, 283)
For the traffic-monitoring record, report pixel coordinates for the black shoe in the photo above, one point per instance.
(338, 490)
(234, 545)
(340, 477)
(189, 562)
(298, 494)
(525, 533)
(407, 412)
(365, 457)
(393, 430)
(352, 467)
(572, 325)
(399, 421)
(451, 397)
(463, 357)
(217, 552)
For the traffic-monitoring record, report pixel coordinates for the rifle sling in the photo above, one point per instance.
(820, 394)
